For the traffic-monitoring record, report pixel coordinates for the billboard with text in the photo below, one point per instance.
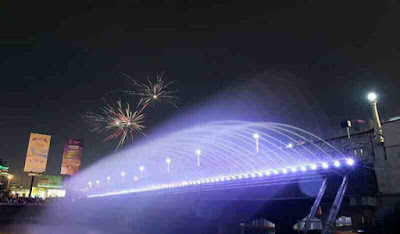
(71, 160)
(38, 151)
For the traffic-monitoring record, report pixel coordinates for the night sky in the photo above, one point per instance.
(305, 63)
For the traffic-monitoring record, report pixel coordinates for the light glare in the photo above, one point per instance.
(372, 97)
(350, 162)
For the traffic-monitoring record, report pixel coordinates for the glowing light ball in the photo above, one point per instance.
(372, 97)
(350, 162)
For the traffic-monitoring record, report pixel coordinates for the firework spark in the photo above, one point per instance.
(120, 120)
(153, 92)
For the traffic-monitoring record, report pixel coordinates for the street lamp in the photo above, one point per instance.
(122, 176)
(141, 171)
(168, 161)
(372, 98)
(256, 136)
(198, 153)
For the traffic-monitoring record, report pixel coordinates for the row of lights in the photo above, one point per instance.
(256, 136)
(304, 168)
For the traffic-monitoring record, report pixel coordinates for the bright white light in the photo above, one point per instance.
(155, 96)
(284, 171)
(256, 136)
(135, 178)
(141, 168)
(275, 172)
(90, 183)
(313, 167)
(267, 173)
(303, 168)
(168, 160)
(108, 178)
(293, 169)
(290, 145)
(123, 173)
(97, 181)
(198, 152)
(350, 162)
(325, 165)
(117, 122)
(372, 97)
(336, 163)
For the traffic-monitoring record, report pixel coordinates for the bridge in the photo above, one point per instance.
(233, 169)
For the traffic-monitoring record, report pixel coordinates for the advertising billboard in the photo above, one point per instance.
(50, 181)
(38, 151)
(71, 160)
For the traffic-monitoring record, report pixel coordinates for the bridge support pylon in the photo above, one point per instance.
(315, 206)
(330, 221)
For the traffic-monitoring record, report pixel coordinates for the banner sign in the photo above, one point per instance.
(71, 161)
(50, 181)
(38, 151)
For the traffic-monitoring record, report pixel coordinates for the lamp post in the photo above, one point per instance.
(141, 171)
(168, 161)
(122, 176)
(256, 137)
(198, 153)
(372, 97)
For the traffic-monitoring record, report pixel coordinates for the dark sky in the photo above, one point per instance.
(306, 63)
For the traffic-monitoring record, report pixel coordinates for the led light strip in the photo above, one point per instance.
(304, 168)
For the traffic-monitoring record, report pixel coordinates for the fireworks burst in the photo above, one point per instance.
(120, 120)
(153, 92)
